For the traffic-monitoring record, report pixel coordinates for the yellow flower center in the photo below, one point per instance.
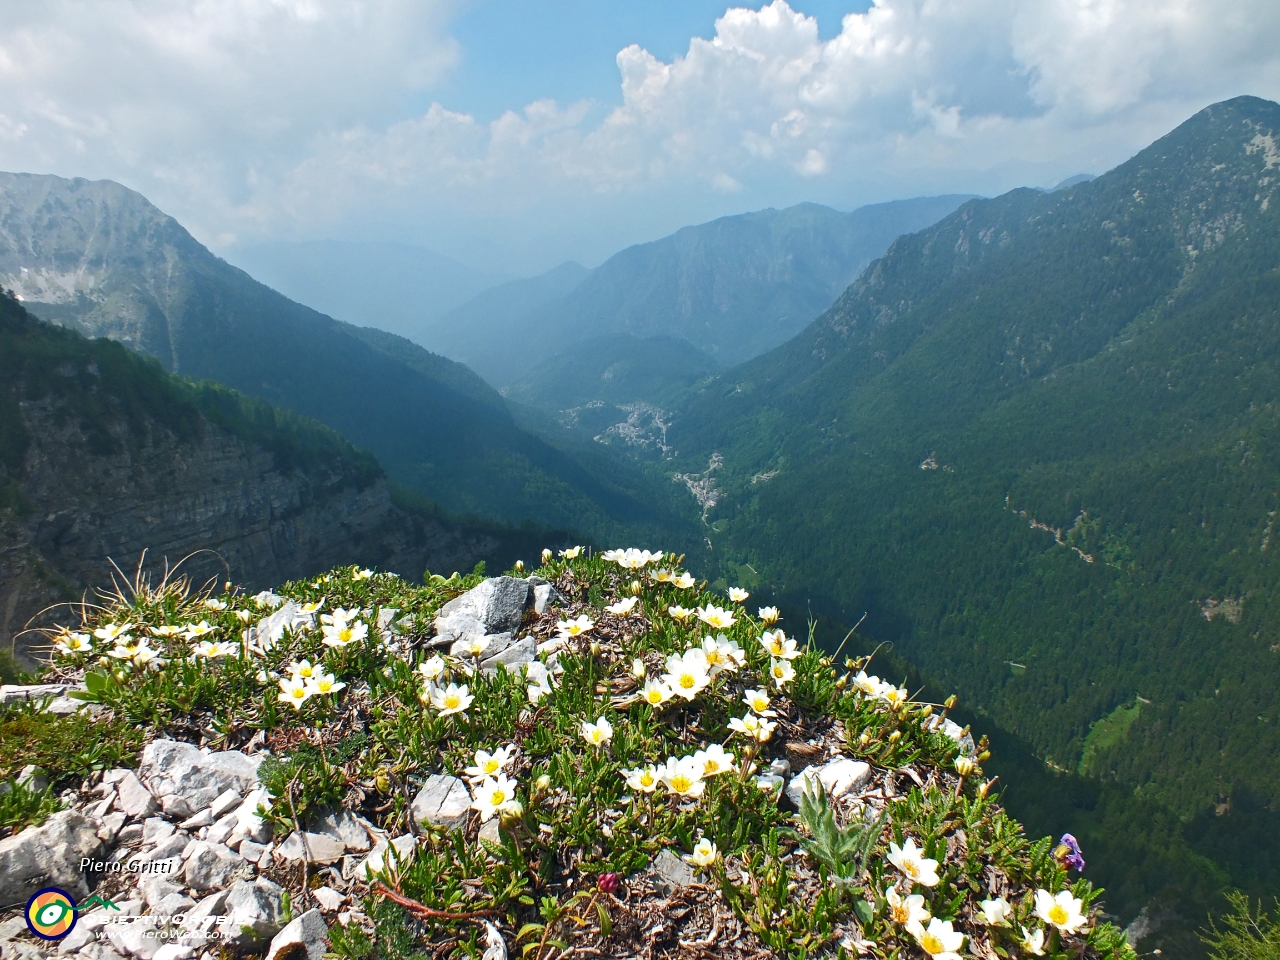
(499, 798)
(1057, 914)
(297, 693)
(911, 869)
(687, 681)
(646, 779)
(680, 783)
(932, 944)
(452, 700)
(491, 766)
(900, 913)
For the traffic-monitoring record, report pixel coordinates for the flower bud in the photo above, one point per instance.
(841, 683)
(382, 782)
(608, 883)
(635, 588)
(865, 738)
(951, 702)
(637, 668)
(546, 555)
(520, 566)
(542, 784)
(986, 786)
(895, 736)
(984, 756)
(826, 661)
(965, 765)
(595, 648)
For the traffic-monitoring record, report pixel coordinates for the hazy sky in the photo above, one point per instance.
(517, 134)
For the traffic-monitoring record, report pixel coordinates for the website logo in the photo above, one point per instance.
(52, 913)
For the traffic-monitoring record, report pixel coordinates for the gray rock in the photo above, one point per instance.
(347, 828)
(155, 829)
(545, 596)
(496, 606)
(174, 905)
(252, 851)
(771, 785)
(186, 780)
(65, 706)
(110, 828)
(381, 853)
(155, 889)
(220, 831)
(48, 856)
(18, 693)
(79, 938)
(781, 767)
(99, 951)
(175, 951)
(171, 846)
(252, 911)
(202, 819)
(18, 950)
(226, 801)
(211, 865)
(136, 938)
(490, 831)
(133, 799)
(670, 873)
(198, 918)
(247, 819)
(513, 655)
(838, 777)
(11, 929)
(444, 801)
(314, 847)
(330, 900)
(307, 933)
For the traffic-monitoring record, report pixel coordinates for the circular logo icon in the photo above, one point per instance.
(51, 913)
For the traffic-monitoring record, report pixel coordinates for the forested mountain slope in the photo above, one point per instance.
(104, 456)
(733, 287)
(101, 259)
(1039, 442)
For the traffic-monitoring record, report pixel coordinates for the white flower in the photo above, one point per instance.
(722, 654)
(194, 630)
(778, 645)
(738, 595)
(905, 911)
(452, 699)
(638, 668)
(474, 646)
(683, 776)
(683, 581)
(781, 672)
(294, 690)
(569, 629)
(687, 674)
(302, 669)
(644, 779)
(939, 940)
(757, 702)
(166, 630)
(753, 727)
(714, 760)
(704, 853)
(893, 696)
(664, 575)
(70, 644)
(631, 558)
(1033, 941)
(312, 606)
(599, 733)
(324, 683)
(869, 686)
(768, 615)
(715, 617)
(655, 693)
(623, 607)
(244, 616)
(911, 860)
(997, 911)
(341, 629)
(1063, 911)
(362, 575)
(571, 553)
(432, 669)
(489, 764)
(539, 680)
(266, 599)
(212, 649)
(680, 613)
(216, 605)
(495, 795)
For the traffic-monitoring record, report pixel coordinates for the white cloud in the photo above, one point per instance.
(257, 118)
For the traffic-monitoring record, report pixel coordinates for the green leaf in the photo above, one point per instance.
(864, 911)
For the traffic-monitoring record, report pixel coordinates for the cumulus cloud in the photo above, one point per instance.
(282, 116)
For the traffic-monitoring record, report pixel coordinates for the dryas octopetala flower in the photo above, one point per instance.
(244, 616)
(340, 628)
(302, 669)
(679, 613)
(71, 644)
(568, 629)
(599, 733)
(213, 649)
(664, 575)
(704, 853)
(716, 617)
(294, 691)
(687, 674)
(571, 553)
(868, 686)
(623, 608)
(361, 574)
(778, 645)
(538, 679)
(996, 912)
(683, 776)
(165, 630)
(644, 779)
(1033, 941)
(194, 630)
(938, 940)
(714, 760)
(1063, 911)
(738, 595)
(911, 860)
(683, 581)
(215, 605)
(781, 672)
(906, 910)
(265, 598)
(757, 702)
(753, 727)
(432, 669)
(723, 655)
(655, 692)
(113, 632)
(475, 645)
(768, 615)
(631, 558)
(495, 795)
(489, 764)
(893, 696)
(324, 683)
(311, 606)
(452, 699)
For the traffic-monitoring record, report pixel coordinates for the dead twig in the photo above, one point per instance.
(423, 912)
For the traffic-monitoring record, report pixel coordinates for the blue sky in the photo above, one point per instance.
(515, 135)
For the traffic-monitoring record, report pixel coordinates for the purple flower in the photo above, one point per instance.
(1067, 853)
(608, 883)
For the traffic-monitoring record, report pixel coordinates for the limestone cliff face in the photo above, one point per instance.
(214, 499)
